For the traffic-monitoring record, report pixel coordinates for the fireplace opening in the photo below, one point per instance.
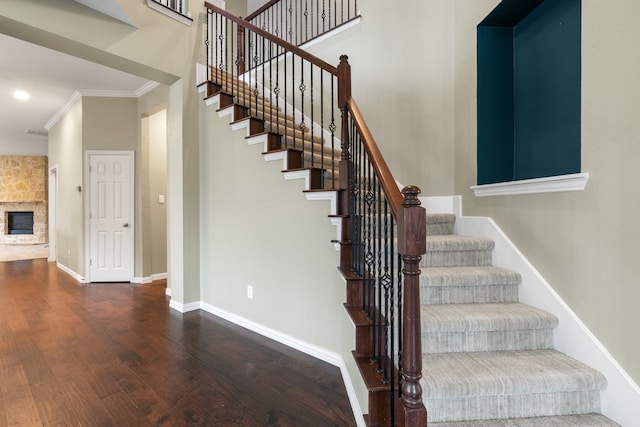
(19, 222)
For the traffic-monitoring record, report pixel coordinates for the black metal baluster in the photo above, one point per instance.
(391, 350)
(302, 88)
(400, 343)
(256, 58)
(295, 22)
(276, 91)
(286, 104)
(207, 44)
(234, 54)
(270, 84)
(311, 124)
(306, 22)
(293, 99)
(322, 132)
(333, 128)
(246, 55)
(369, 258)
(388, 285)
(263, 80)
(324, 15)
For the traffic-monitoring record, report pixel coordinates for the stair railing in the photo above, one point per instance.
(289, 90)
(178, 6)
(300, 21)
(383, 229)
(387, 265)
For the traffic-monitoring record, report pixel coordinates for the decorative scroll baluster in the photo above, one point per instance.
(299, 23)
(302, 88)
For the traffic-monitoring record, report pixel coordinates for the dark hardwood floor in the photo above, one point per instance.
(116, 355)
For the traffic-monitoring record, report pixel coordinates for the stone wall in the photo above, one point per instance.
(23, 179)
(23, 187)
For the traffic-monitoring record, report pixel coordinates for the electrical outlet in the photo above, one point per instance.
(68, 253)
(250, 292)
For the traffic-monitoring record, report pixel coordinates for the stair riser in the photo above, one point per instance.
(468, 294)
(456, 258)
(457, 342)
(439, 229)
(514, 406)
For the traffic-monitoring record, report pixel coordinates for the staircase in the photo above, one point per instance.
(488, 360)
(283, 138)
(456, 329)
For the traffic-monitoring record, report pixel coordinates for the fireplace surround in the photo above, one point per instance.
(23, 188)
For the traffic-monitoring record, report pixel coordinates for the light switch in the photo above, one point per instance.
(161, 198)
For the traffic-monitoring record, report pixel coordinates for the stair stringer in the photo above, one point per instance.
(329, 195)
(620, 401)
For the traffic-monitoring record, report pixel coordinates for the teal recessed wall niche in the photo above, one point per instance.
(529, 67)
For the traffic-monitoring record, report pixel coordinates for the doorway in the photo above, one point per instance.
(111, 216)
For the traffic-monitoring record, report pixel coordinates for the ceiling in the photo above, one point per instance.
(51, 78)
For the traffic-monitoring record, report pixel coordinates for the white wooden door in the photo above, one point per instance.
(111, 217)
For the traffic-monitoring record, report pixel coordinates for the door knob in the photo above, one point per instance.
(125, 225)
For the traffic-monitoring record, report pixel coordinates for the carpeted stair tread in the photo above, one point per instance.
(454, 242)
(440, 224)
(452, 250)
(468, 285)
(467, 276)
(454, 328)
(484, 317)
(587, 420)
(505, 373)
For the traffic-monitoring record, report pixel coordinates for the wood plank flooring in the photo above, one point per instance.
(116, 355)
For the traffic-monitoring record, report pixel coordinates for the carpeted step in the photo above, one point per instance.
(439, 224)
(589, 420)
(485, 327)
(457, 251)
(467, 285)
(510, 384)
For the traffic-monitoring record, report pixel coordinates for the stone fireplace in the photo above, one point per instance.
(23, 188)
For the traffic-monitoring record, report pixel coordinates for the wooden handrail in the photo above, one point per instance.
(262, 9)
(288, 46)
(391, 190)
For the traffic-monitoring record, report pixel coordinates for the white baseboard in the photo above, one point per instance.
(184, 308)
(149, 279)
(620, 401)
(323, 354)
(442, 205)
(71, 273)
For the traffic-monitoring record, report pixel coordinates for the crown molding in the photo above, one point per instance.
(77, 95)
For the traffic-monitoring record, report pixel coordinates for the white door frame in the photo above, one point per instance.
(87, 207)
(52, 210)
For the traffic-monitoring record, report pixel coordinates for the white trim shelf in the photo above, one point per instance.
(552, 184)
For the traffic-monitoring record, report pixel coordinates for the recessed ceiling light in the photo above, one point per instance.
(21, 95)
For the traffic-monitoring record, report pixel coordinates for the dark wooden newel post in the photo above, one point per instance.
(412, 242)
(344, 94)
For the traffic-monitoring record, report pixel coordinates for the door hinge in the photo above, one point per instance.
(90, 262)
